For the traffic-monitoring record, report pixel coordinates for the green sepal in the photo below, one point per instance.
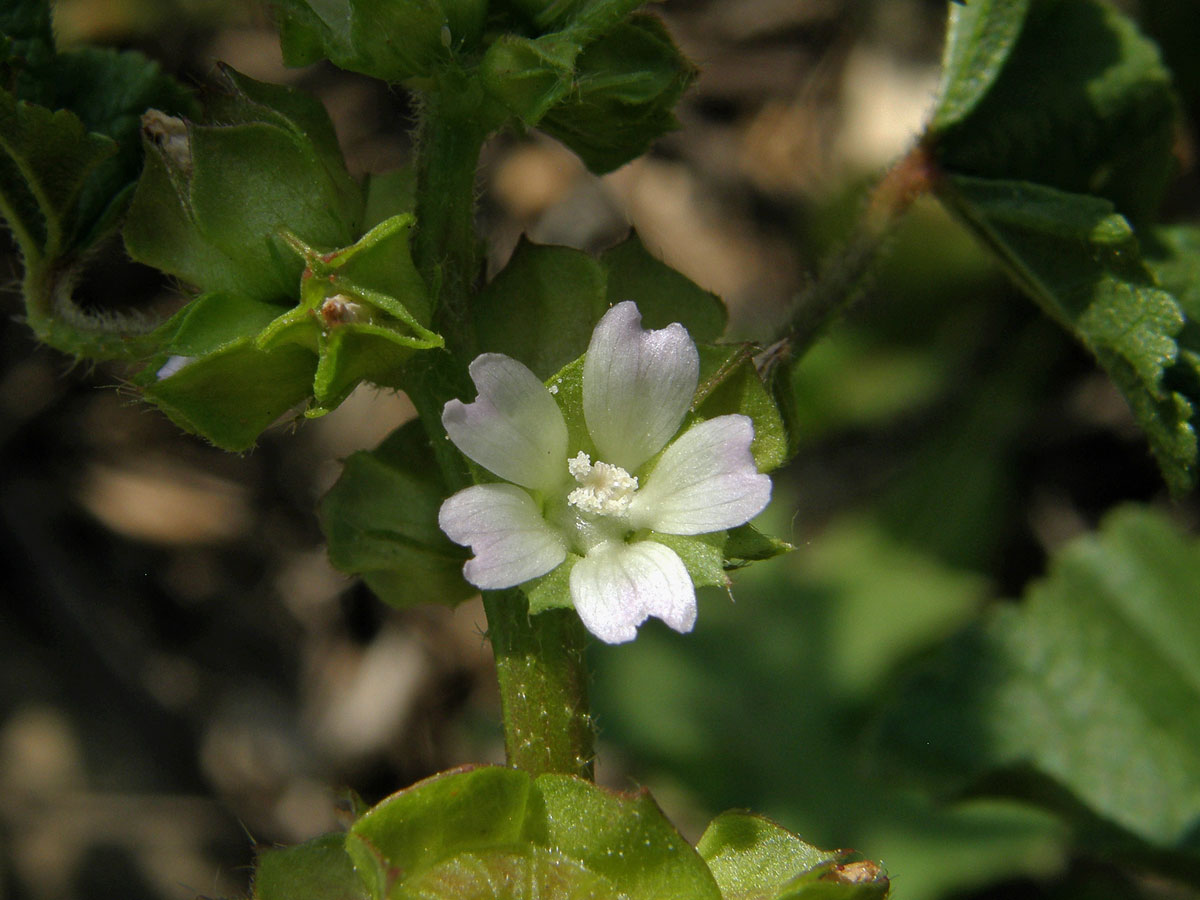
(215, 199)
(702, 555)
(395, 40)
(362, 311)
(542, 307)
(380, 522)
(624, 90)
(216, 382)
(459, 834)
(752, 858)
(729, 383)
(1082, 103)
(319, 869)
(1080, 260)
(1081, 698)
(746, 544)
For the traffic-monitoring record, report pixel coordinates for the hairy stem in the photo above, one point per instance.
(543, 686)
(539, 659)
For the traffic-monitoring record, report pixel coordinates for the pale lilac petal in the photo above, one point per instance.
(505, 530)
(705, 481)
(617, 586)
(637, 385)
(513, 428)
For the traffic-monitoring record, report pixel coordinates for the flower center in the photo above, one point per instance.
(604, 490)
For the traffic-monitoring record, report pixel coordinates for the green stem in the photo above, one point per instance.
(539, 659)
(446, 247)
(543, 686)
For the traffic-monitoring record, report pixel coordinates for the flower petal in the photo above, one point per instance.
(637, 385)
(705, 481)
(513, 428)
(617, 586)
(505, 530)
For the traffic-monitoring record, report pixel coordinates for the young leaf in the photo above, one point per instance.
(527, 76)
(394, 40)
(1079, 260)
(317, 870)
(626, 85)
(460, 835)
(1091, 682)
(752, 858)
(380, 520)
(1082, 103)
(979, 37)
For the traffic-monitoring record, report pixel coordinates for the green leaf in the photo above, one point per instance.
(1080, 261)
(217, 383)
(527, 76)
(663, 294)
(394, 40)
(1089, 683)
(211, 208)
(46, 159)
(979, 38)
(626, 85)
(110, 91)
(380, 520)
(317, 870)
(461, 834)
(752, 858)
(1082, 103)
(541, 308)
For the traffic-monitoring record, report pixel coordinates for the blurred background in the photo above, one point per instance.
(183, 676)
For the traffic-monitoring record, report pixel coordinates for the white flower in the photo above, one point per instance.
(637, 388)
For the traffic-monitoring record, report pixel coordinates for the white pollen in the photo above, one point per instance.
(604, 490)
(553, 388)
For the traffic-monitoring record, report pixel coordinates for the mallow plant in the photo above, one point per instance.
(587, 453)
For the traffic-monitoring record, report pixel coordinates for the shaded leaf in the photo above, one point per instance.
(380, 520)
(626, 85)
(1088, 683)
(979, 38)
(1083, 103)
(1080, 261)
(663, 294)
(389, 39)
(317, 870)
(541, 308)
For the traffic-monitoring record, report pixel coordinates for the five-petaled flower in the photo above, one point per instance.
(557, 505)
